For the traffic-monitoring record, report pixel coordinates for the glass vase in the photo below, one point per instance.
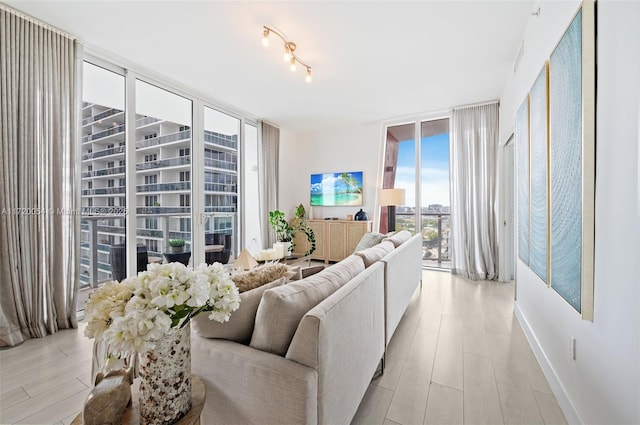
(165, 379)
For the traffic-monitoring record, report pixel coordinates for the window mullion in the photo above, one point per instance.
(130, 171)
(418, 175)
(197, 184)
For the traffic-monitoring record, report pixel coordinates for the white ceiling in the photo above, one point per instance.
(371, 60)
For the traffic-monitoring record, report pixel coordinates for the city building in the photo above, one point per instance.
(163, 187)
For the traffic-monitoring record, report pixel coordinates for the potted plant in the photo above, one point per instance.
(177, 245)
(285, 231)
(300, 225)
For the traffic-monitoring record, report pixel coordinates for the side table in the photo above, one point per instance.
(180, 257)
(192, 417)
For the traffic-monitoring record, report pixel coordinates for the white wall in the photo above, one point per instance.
(334, 150)
(602, 386)
(288, 197)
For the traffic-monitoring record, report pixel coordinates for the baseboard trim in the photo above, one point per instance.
(567, 406)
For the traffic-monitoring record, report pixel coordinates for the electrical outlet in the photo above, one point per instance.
(572, 347)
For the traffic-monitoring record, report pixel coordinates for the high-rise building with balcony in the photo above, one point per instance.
(163, 186)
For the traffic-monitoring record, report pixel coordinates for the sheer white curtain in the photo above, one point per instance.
(38, 191)
(268, 164)
(474, 151)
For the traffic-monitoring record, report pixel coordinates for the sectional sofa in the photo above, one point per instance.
(309, 355)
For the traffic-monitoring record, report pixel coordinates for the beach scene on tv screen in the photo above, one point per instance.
(333, 189)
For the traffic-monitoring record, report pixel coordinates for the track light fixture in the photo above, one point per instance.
(289, 50)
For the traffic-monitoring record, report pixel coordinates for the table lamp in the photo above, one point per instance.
(390, 198)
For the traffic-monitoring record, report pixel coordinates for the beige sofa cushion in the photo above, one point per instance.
(240, 325)
(281, 309)
(399, 238)
(375, 253)
(345, 270)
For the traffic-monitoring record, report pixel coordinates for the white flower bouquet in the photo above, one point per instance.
(134, 313)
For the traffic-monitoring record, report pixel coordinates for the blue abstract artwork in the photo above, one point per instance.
(538, 210)
(522, 164)
(566, 138)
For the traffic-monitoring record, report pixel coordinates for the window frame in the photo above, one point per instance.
(199, 101)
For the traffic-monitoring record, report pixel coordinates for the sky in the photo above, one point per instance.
(434, 171)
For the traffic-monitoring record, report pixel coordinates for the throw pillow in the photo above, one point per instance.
(399, 238)
(368, 240)
(297, 273)
(281, 309)
(375, 253)
(258, 276)
(240, 325)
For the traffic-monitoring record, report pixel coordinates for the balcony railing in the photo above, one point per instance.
(104, 133)
(435, 236)
(104, 172)
(104, 191)
(220, 187)
(118, 230)
(221, 139)
(217, 163)
(160, 140)
(163, 187)
(163, 210)
(150, 233)
(220, 209)
(97, 268)
(106, 152)
(162, 163)
(102, 248)
(117, 129)
(146, 121)
(101, 115)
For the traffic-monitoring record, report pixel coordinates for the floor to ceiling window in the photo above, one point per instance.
(103, 172)
(221, 138)
(171, 174)
(163, 169)
(422, 169)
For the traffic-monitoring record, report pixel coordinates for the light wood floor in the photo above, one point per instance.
(457, 357)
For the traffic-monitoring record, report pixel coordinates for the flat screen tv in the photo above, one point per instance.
(334, 189)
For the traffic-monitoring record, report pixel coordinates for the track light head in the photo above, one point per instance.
(289, 50)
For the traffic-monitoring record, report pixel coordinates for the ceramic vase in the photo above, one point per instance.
(165, 379)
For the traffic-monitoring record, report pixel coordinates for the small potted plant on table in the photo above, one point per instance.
(176, 245)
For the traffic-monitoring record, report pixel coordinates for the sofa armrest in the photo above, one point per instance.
(403, 273)
(343, 338)
(249, 386)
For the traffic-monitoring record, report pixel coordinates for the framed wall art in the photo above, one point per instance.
(522, 167)
(555, 149)
(572, 161)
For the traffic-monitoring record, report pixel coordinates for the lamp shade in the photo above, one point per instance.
(392, 197)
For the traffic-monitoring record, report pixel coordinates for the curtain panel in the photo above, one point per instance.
(473, 164)
(268, 164)
(39, 221)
